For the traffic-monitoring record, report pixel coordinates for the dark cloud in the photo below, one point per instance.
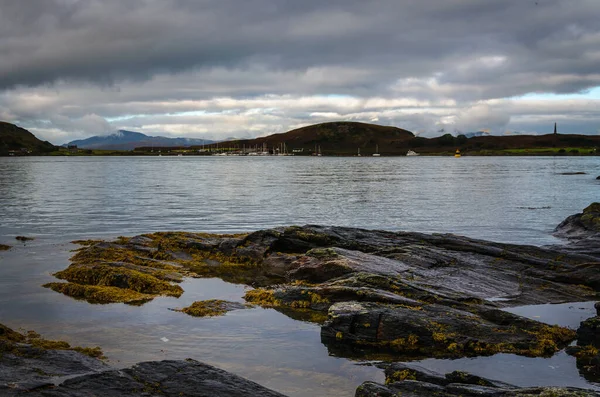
(91, 59)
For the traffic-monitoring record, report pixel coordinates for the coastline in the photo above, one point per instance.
(317, 292)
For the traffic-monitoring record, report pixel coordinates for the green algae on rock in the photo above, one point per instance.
(210, 308)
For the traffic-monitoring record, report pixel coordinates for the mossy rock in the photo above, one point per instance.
(210, 308)
(100, 294)
(12, 342)
(110, 276)
(591, 217)
(4, 247)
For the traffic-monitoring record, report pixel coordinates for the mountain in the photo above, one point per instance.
(17, 140)
(129, 140)
(341, 137)
(474, 134)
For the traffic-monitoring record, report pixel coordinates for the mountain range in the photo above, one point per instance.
(129, 140)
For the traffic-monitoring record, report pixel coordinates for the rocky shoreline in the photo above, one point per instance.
(378, 295)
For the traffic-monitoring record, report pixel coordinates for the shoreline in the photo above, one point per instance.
(360, 287)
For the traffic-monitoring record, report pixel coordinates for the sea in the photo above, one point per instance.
(57, 200)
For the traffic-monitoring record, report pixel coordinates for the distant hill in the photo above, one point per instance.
(345, 138)
(129, 140)
(341, 137)
(20, 141)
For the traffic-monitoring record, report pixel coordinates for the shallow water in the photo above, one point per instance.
(57, 200)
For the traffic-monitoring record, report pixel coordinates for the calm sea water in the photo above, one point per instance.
(56, 200)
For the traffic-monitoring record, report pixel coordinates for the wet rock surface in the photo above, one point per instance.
(583, 230)
(210, 308)
(31, 370)
(377, 294)
(414, 381)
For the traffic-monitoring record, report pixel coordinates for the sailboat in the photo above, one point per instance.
(358, 154)
(376, 154)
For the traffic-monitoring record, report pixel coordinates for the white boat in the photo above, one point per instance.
(376, 154)
(412, 153)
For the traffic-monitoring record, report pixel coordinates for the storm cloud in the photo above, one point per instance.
(75, 68)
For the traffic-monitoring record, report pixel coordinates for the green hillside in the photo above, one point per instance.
(18, 141)
(341, 137)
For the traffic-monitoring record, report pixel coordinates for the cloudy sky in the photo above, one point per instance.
(230, 68)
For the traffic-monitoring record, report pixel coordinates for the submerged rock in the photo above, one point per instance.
(413, 381)
(28, 361)
(53, 368)
(4, 247)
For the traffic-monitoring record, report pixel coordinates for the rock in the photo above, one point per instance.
(439, 331)
(210, 308)
(588, 332)
(154, 379)
(588, 361)
(396, 293)
(412, 381)
(29, 362)
(32, 370)
(4, 247)
(581, 225)
(597, 307)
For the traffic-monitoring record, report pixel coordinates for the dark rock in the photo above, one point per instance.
(582, 225)
(439, 331)
(163, 378)
(33, 371)
(25, 367)
(413, 381)
(597, 307)
(588, 332)
(399, 371)
(470, 379)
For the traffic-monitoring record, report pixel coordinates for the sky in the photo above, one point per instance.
(70, 69)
